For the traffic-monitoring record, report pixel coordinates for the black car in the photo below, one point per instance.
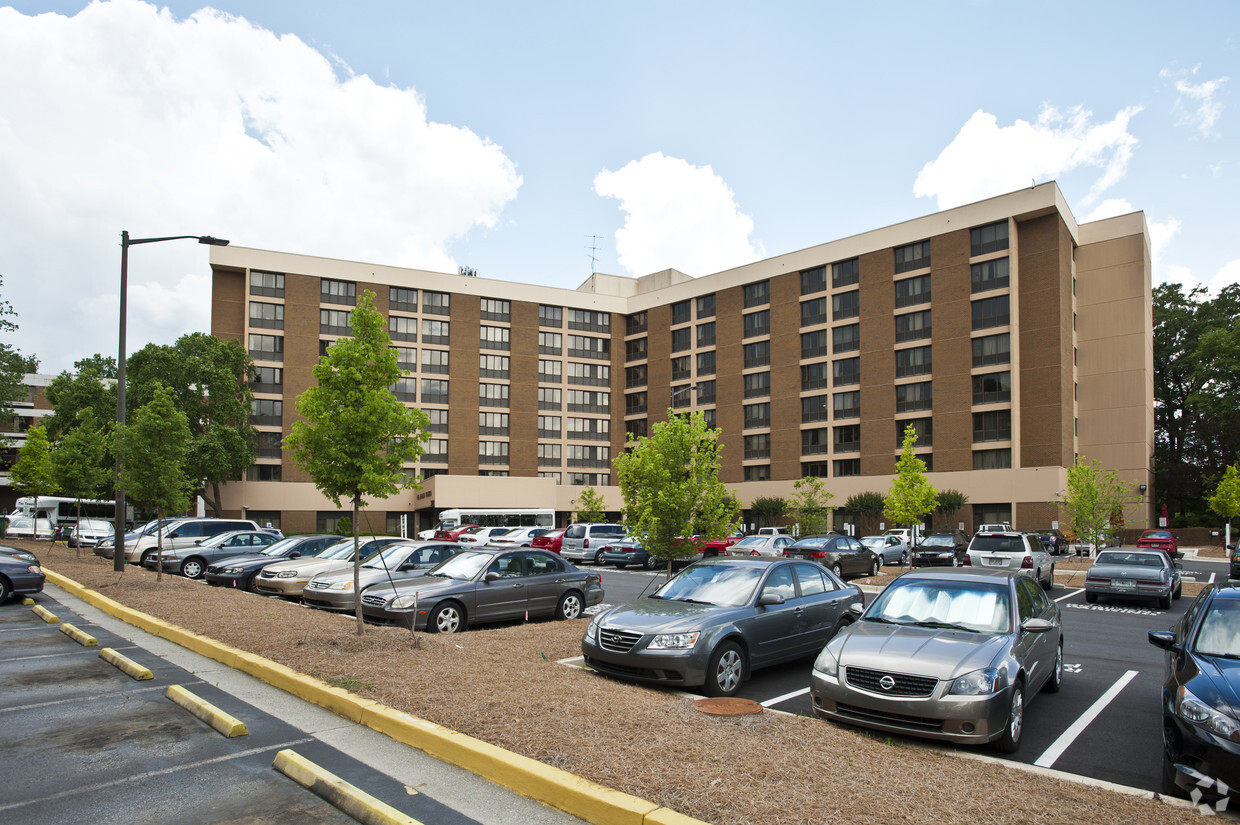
(842, 555)
(941, 548)
(1055, 541)
(1201, 695)
(240, 571)
(19, 577)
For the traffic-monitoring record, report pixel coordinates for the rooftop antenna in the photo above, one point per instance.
(593, 247)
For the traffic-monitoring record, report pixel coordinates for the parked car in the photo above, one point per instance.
(454, 533)
(628, 551)
(105, 547)
(18, 577)
(1233, 553)
(181, 533)
(905, 533)
(1133, 574)
(771, 531)
(549, 540)
(949, 655)
(289, 578)
(941, 548)
(88, 532)
(994, 527)
(719, 619)
(1201, 728)
(585, 541)
(25, 527)
(842, 555)
(518, 537)
(191, 561)
(1012, 551)
(890, 549)
(485, 584)
(395, 563)
(1056, 542)
(1160, 540)
(481, 535)
(763, 544)
(241, 571)
(18, 553)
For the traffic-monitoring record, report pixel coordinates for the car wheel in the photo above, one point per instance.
(1169, 788)
(904, 557)
(1164, 602)
(955, 561)
(569, 606)
(726, 670)
(598, 557)
(1092, 598)
(5, 590)
(837, 570)
(1056, 681)
(874, 565)
(192, 568)
(1009, 742)
(447, 617)
(650, 563)
(145, 558)
(1179, 587)
(1050, 579)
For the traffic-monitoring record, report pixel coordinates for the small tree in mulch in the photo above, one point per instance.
(590, 505)
(912, 497)
(77, 465)
(32, 473)
(810, 504)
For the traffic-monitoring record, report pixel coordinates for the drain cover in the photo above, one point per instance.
(727, 706)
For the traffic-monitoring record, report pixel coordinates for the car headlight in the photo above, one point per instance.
(977, 683)
(286, 574)
(402, 602)
(827, 663)
(592, 629)
(231, 571)
(674, 641)
(1191, 709)
(344, 585)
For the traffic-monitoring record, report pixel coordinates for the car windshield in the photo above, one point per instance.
(391, 556)
(974, 606)
(1137, 559)
(939, 541)
(279, 548)
(1220, 630)
(1156, 534)
(875, 542)
(339, 550)
(462, 566)
(216, 540)
(727, 585)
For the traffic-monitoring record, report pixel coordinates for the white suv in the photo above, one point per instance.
(182, 534)
(1012, 550)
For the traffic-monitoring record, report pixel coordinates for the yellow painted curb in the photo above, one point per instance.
(351, 800)
(127, 665)
(230, 726)
(45, 614)
(80, 636)
(28, 601)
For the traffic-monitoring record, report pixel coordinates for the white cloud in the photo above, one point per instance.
(1109, 208)
(678, 216)
(1198, 104)
(986, 159)
(123, 117)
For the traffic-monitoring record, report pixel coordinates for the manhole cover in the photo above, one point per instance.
(727, 706)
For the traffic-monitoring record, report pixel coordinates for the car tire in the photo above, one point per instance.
(955, 561)
(193, 568)
(1092, 598)
(837, 570)
(874, 566)
(1009, 742)
(598, 557)
(1178, 591)
(251, 584)
(725, 673)
(1169, 788)
(145, 556)
(6, 590)
(620, 566)
(1164, 602)
(1055, 682)
(447, 617)
(570, 606)
(650, 563)
(904, 557)
(1050, 579)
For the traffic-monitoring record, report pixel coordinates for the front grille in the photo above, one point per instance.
(374, 601)
(904, 685)
(617, 641)
(919, 723)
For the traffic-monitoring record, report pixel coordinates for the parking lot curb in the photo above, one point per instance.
(230, 726)
(45, 614)
(125, 664)
(78, 635)
(350, 799)
(552, 786)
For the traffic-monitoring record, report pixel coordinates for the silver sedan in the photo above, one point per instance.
(761, 546)
(1147, 574)
(892, 549)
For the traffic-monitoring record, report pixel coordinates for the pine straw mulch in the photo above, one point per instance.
(503, 685)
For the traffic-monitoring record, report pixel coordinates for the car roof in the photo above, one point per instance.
(962, 574)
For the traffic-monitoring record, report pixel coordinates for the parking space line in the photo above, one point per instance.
(1065, 740)
(1070, 595)
(76, 699)
(785, 697)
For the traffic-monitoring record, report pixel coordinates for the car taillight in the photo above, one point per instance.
(1027, 564)
(817, 554)
(585, 543)
(600, 579)
(965, 562)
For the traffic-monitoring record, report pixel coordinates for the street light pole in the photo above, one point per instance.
(118, 523)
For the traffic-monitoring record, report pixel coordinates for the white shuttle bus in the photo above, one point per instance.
(61, 510)
(492, 517)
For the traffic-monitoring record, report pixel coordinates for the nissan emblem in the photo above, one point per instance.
(887, 683)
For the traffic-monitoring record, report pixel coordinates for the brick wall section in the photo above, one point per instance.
(878, 363)
(952, 350)
(463, 384)
(301, 353)
(730, 387)
(785, 376)
(228, 305)
(523, 392)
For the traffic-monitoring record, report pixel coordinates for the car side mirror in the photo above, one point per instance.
(1164, 639)
(768, 599)
(856, 608)
(490, 577)
(1179, 565)
(196, 541)
(1036, 626)
(294, 555)
(172, 535)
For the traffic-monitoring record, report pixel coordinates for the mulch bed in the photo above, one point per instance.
(504, 685)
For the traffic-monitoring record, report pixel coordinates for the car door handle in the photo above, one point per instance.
(798, 610)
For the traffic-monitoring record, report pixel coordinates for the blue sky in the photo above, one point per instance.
(501, 136)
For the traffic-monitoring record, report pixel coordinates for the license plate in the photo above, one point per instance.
(1123, 584)
(993, 562)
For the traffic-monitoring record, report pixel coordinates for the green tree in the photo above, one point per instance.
(1226, 498)
(210, 381)
(869, 509)
(810, 506)
(77, 464)
(1091, 498)
(154, 450)
(767, 510)
(356, 436)
(32, 472)
(590, 505)
(72, 393)
(948, 503)
(912, 497)
(671, 488)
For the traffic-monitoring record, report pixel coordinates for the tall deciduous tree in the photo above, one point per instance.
(72, 393)
(948, 503)
(154, 451)
(1092, 497)
(810, 505)
(77, 464)
(1226, 498)
(671, 488)
(32, 472)
(767, 510)
(912, 497)
(356, 436)
(589, 505)
(869, 509)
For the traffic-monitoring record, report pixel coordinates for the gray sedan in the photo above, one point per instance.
(951, 655)
(718, 619)
(396, 563)
(890, 548)
(1146, 574)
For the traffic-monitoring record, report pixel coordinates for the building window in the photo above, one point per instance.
(913, 361)
(634, 403)
(267, 445)
(845, 467)
(549, 398)
(549, 455)
(986, 239)
(706, 334)
(846, 371)
(682, 312)
(439, 420)
(495, 337)
(758, 446)
(990, 275)
(549, 372)
(267, 316)
(549, 343)
(588, 320)
(492, 395)
(758, 323)
(402, 300)
(549, 426)
(549, 316)
(434, 332)
(434, 391)
(757, 294)
(847, 439)
(757, 384)
(635, 350)
(436, 451)
(913, 256)
(435, 303)
(584, 346)
(706, 306)
(266, 412)
(553, 476)
(405, 389)
(816, 441)
(913, 291)
(913, 326)
(400, 328)
(708, 416)
(589, 401)
(493, 309)
(435, 361)
(262, 472)
(706, 392)
(845, 273)
(589, 479)
(268, 379)
(681, 368)
(680, 395)
(592, 375)
(913, 397)
(757, 472)
(846, 338)
(756, 354)
(847, 404)
(813, 312)
(589, 429)
(815, 469)
(992, 388)
(995, 425)
(635, 323)
(266, 347)
(267, 284)
(681, 339)
(992, 349)
(815, 408)
(635, 376)
(992, 312)
(337, 292)
(492, 452)
(814, 376)
(923, 427)
(846, 305)
(813, 280)
(706, 363)
(582, 455)
(493, 366)
(992, 459)
(757, 416)
(406, 358)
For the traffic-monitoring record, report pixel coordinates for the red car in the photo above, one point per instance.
(454, 533)
(550, 540)
(1160, 540)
